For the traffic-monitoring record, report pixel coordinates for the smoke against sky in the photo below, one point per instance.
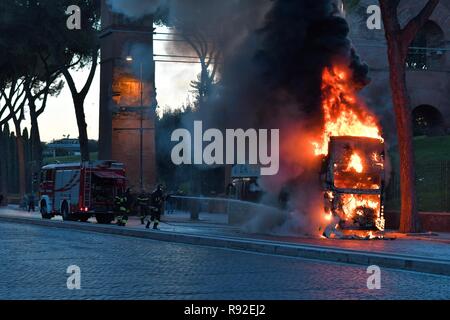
(241, 45)
(273, 80)
(135, 8)
(221, 25)
(273, 74)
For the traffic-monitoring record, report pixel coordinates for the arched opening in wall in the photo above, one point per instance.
(428, 120)
(426, 50)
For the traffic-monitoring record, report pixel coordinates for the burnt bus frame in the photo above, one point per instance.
(328, 180)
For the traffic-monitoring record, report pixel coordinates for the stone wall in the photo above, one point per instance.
(430, 221)
(426, 87)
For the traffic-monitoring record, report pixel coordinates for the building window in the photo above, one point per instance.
(428, 121)
(426, 52)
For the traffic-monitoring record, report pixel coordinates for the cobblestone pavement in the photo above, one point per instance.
(34, 261)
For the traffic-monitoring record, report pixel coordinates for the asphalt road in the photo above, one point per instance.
(216, 225)
(34, 262)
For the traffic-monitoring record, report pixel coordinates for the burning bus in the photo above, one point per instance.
(353, 181)
(353, 158)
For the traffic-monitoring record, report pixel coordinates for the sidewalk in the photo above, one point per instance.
(436, 245)
(418, 253)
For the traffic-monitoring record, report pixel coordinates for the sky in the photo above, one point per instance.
(172, 85)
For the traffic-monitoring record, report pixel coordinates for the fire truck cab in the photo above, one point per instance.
(353, 180)
(78, 191)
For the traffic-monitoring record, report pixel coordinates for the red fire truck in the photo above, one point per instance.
(78, 191)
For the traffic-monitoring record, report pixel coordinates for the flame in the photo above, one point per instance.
(353, 204)
(355, 163)
(377, 160)
(344, 115)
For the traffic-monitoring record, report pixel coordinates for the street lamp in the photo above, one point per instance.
(141, 128)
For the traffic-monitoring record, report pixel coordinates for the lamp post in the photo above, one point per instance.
(141, 127)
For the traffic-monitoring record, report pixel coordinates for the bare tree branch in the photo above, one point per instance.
(413, 26)
(90, 78)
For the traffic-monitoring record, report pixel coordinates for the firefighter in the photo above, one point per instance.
(143, 200)
(157, 199)
(31, 202)
(121, 203)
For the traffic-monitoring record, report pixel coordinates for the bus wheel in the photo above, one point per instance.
(104, 218)
(43, 210)
(65, 212)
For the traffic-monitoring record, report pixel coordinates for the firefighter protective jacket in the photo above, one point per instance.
(157, 198)
(143, 199)
(121, 203)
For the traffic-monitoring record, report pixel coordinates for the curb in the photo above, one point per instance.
(402, 262)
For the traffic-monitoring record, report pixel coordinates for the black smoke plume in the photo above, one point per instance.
(276, 74)
(272, 79)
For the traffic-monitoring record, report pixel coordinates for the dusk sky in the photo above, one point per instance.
(172, 83)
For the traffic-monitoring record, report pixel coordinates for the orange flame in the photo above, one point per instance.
(344, 115)
(353, 204)
(355, 163)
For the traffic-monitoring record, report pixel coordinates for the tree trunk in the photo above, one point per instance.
(82, 129)
(21, 164)
(409, 216)
(36, 145)
(398, 41)
(3, 165)
(13, 176)
(409, 220)
(78, 102)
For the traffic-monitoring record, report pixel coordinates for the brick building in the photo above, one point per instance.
(128, 96)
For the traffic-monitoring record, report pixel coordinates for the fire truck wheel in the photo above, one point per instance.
(104, 218)
(44, 213)
(65, 212)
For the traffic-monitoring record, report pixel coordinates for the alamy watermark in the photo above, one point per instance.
(374, 280)
(74, 280)
(191, 150)
(374, 19)
(74, 19)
